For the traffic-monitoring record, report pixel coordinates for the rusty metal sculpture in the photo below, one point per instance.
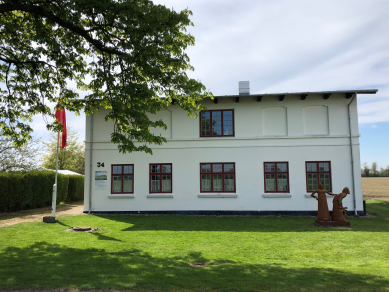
(338, 211)
(323, 214)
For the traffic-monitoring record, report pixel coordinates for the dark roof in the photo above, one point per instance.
(304, 93)
(352, 91)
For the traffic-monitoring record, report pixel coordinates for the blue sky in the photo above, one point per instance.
(292, 46)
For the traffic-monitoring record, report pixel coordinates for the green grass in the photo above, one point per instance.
(239, 253)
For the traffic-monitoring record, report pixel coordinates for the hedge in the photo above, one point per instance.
(29, 190)
(76, 188)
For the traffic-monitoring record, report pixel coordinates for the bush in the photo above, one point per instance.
(28, 190)
(76, 188)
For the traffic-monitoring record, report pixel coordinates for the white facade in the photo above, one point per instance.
(292, 130)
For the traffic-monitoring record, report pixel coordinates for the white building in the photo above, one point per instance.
(263, 154)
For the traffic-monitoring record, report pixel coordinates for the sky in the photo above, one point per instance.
(291, 46)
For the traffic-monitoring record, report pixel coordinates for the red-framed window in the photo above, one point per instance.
(161, 178)
(276, 177)
(217, 123)
(217, 177)
(122, 178)
(318, 171)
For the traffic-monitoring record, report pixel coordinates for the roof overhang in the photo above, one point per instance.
(303, 95)
(306, 93)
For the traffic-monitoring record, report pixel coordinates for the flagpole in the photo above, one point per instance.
(54, 201)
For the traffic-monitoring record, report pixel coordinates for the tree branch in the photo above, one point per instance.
(36, 10)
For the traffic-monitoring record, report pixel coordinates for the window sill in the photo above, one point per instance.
(309, 196)
(277, 195)
(160, 195)
(217, 195)
(121, 196)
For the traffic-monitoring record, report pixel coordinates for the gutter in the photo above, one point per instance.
(352, 155)
(90, 167)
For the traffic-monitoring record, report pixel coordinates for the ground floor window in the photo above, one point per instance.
(122, 178)
(318, 171)
(161, 178)
(276, 177)
(217, 177)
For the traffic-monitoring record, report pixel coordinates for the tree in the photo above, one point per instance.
(374, 169)
(14, 158)
(132, 51)
(365, 170)
(72, 157)
(384, 171)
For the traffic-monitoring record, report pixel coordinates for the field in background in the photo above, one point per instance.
(375, 188)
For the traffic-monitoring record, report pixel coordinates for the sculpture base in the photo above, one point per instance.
(332, 223)
(49, 219)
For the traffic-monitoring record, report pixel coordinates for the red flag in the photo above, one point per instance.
(61, 118)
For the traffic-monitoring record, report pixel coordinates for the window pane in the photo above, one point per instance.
(127, 169)
(229, 183)
(228, 167)
(205, 124)
(217, 168)
(269, 167)
(227, 123)
(325, 179)
(117, 169)
(312, 181)
(282, 182)
(205, 168)
(166, 168)
(127, 184)
(281, 167)
(155, 168)
(311, 167)
(216, 123)
(155, 183)
(166, 183)
(270, 182)
(227, 130)
(117, 184)
(326, 166)
(217, 183)
(321, 166)
(206, 182)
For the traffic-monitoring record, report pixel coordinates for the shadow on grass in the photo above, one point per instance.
(242, 224)
(44, 265)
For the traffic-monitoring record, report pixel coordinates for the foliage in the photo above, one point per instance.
(373, 171)
(160, 253)
(29, 190)
(13, 158)
(75, 188)
(132, 51)
(72, 157)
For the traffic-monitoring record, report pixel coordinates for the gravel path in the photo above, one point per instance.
(7, 219)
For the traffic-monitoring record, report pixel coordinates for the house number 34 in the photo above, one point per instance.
(100, 164)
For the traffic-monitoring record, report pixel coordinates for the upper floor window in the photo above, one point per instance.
(161, 178)
(217, 177)
(318, 171)
(216, 123)
(276, 177)
(122, 179)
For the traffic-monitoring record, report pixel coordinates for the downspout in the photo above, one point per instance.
(352, 155)
(90, 167)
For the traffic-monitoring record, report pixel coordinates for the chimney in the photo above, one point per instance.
(244, 87)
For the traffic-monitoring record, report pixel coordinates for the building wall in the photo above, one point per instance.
(293, 130)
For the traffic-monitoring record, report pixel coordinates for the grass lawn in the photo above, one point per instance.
(163, 253)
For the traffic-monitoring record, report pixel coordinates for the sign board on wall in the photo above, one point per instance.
(101, 180)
